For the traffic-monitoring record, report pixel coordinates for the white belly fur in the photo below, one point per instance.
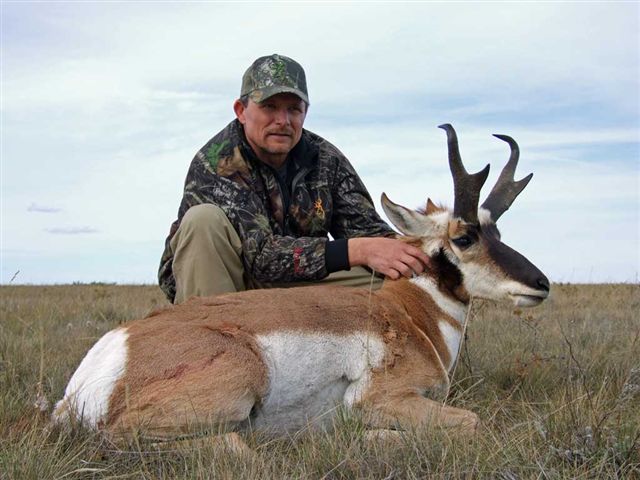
(87, 394)
(311, 373)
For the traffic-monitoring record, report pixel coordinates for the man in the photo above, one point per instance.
(261, 197)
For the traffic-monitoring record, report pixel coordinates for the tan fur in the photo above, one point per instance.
(228, 443)
(197, 364)
(431, 208)
(457, 228)
(193, 368)
(423, 315)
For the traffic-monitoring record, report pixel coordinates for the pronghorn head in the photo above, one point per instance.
(467, 241)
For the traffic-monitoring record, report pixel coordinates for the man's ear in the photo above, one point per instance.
(239, 108)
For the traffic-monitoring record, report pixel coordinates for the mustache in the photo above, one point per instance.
(285, 131)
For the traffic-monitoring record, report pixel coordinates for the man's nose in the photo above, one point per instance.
(282, 116)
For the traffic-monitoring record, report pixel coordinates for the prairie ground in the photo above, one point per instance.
(557, 388)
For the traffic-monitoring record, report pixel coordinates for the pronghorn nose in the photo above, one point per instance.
(543, 283)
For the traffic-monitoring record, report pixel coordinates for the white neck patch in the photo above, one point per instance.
(452, 338)
(455, 309)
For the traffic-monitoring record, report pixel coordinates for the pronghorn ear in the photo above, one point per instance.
(407, 221)
(431, 207)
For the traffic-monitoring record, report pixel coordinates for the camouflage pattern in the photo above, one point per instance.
(268, 76)
(327, 196)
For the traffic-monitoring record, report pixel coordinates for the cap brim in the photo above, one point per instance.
(261, 94)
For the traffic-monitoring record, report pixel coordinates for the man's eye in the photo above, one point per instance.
(463, 241)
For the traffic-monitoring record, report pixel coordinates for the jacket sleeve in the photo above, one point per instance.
(267, 257)
(354, 214)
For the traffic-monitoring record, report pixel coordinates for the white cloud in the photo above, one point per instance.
(71, 230)
(34, 207)
(375, 49)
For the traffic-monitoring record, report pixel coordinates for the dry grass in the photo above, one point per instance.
(557, 387)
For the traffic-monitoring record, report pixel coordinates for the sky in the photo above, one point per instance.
(104, 104)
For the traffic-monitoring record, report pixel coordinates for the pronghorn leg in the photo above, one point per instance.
(412, 410)
(227, 443)
(212, 395)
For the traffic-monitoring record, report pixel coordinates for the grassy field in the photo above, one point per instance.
(557, 388)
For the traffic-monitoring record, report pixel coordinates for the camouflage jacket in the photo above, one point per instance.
(283, 223)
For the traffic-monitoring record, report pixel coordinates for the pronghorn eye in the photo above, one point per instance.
(462, 242)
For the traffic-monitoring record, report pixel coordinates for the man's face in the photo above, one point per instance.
(272, 127)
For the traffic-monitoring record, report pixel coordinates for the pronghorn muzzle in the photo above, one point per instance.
(519, 269)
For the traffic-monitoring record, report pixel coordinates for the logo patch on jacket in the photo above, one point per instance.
(319, 209)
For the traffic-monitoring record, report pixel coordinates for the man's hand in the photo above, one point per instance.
(391, 257)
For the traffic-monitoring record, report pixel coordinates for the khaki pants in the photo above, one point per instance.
(207, 259)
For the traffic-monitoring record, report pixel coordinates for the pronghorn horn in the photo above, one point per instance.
(466, 186)
(506, 188)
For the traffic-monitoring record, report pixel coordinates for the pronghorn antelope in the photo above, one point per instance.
(281, 358)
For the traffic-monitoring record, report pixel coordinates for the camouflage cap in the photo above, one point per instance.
(274, 74)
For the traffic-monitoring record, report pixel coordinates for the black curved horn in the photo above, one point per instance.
(466, 186)
(506, 188)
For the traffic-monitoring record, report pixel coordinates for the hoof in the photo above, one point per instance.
(470, 424)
